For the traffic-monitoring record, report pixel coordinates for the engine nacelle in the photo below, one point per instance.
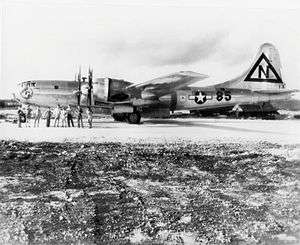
(145, 95)
(169, 101)
(110, 90)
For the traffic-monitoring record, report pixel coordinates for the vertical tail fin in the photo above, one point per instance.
(263, 74)
(267, 66)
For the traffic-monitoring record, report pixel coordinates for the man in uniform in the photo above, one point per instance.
(56, 113)
(237, 110)
(63, 117)
(28, 115)
(21, 116)
(79, 117)
(70, 116)
(89, 114)
(37, 116)
(48, 115)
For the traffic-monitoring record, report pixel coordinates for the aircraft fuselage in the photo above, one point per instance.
(50, 93)
(201, 100)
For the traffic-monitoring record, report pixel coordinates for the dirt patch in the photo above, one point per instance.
(148, 193)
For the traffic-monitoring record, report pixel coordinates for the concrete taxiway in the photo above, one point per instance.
(163, 130)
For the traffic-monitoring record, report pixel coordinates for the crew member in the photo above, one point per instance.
(70, 116)
(48, 115)
(37, 117)
(21, 116)
(89, 114)
(63, 116)
(56, 113)
(28, 115)
(237, 110)
(79, 116)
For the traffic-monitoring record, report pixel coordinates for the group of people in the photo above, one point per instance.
(63, 116)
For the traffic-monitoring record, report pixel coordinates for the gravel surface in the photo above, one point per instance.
(124, 193)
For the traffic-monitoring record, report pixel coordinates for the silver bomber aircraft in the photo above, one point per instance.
(258, 90)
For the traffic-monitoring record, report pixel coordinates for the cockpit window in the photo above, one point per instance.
(28, 84)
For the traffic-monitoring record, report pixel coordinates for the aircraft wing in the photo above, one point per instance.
(167, 84)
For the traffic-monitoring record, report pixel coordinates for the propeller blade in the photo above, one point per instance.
(79, 87)
(90, 87)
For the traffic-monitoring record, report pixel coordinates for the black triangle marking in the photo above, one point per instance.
(270, 80)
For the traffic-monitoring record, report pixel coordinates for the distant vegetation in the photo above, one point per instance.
(8, 104)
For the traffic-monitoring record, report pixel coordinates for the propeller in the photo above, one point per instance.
(79, 87)
(84, 89)
(90, 88)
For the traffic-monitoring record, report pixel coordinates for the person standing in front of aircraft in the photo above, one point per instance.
(37, 116)
(79, 116)
(21, 116)
(47, 115)
(28, 115)
(63, 115)
(56, 113)
(70, 116)
(89, 114)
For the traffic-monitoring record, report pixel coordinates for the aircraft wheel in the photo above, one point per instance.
(195, 112)
(116, 117)
(205, 114)
(119, 117)
(134, 118)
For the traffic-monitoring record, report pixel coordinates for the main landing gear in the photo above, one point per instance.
(132, 118)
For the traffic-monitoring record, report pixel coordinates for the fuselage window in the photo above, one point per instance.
(55, 86)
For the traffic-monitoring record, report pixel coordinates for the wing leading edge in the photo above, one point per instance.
(167, 84)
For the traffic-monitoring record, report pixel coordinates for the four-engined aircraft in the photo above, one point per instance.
(259, 89)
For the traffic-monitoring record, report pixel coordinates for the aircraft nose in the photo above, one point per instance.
(23, 92)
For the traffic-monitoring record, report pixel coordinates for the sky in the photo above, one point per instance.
(140, 40)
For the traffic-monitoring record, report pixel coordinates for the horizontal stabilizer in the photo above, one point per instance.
(287, 91)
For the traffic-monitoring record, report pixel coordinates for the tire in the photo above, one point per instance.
(134, 118)
(119, 117)
(205, 114)
(116, 117)
(195, 112)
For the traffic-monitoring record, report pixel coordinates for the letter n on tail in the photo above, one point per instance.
(263, 73)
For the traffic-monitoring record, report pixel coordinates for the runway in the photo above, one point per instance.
(163, 131)
(220, 181)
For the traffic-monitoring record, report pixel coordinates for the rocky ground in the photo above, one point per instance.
(179, 193)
